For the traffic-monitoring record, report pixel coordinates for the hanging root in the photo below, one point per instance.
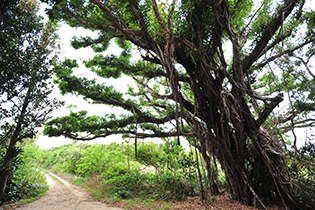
(272, 157)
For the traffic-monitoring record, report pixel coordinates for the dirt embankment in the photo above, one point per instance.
(65, 197)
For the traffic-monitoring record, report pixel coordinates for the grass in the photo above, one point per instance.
(149, 203)
(55, 178)
(138, 203)
(52, 176)
(28, 200)
(103, 193)
(43, 170)
(79, 181)
(35, 176)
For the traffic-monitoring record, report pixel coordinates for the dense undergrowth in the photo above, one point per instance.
(301, 168)
(160, 171)
(24, 181)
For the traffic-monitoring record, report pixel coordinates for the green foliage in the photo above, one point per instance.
(108, 161)
(302, 174)
(24, 180)
(241, 12)
(63, 158)
(79, 181)
(149, 155)
(25, 58)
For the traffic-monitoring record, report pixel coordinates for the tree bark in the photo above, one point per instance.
(11, 151)
(5, 168)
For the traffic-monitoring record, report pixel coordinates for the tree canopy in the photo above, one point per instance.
(215, 70)
(26, 55)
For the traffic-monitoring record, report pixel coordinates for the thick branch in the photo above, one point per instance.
(268, 109)
(278, 18)
(257, 96)
(129, 33)
(163, 106)
(158, 17)
(152, 60)
(134, 5)
(190, 45)
(139, 135)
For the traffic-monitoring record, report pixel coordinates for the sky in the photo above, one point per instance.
(66, 33)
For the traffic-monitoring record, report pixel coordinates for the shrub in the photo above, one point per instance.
(109, 161)
(302, 173)
(24, 180)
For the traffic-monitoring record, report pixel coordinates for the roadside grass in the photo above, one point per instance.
(34, 174)
(56, 179)
(78, 181)
(53, 177)
(103, 193)
(29, 200)
(138, 203)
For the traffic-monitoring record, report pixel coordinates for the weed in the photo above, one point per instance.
(79, 181)
(29, 200)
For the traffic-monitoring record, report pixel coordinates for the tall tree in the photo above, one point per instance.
(26, 55)
(212, 93)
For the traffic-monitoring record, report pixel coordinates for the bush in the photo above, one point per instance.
(64, 158)
(175, 177)
(109, 161)
(171, 186)
(302, 173)
(24, 180)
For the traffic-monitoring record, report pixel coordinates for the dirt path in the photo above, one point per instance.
(65, 197)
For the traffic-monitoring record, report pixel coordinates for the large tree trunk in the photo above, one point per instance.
(233, 135)
(233, 131)
(229, 131)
